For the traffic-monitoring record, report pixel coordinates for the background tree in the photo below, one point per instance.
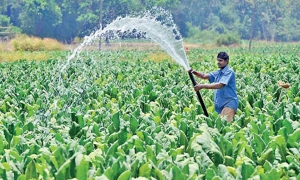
(67, 28)
(289, 23)
(39, 17)
(270, 20)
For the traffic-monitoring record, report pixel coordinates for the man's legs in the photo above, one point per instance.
(228, 113)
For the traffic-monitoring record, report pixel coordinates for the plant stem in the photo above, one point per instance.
(280, 96)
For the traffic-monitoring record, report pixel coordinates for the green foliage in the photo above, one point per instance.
(39, 17)
(227, 39)
(4, 20)
(65, 19)
(112, 115)
(196, 35)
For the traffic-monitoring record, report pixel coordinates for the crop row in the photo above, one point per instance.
(106, 118)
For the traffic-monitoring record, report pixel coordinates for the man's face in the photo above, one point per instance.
(222, 63)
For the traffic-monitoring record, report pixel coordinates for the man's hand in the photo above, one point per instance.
(198, 87)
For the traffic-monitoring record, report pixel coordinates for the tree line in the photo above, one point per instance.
(270, 20)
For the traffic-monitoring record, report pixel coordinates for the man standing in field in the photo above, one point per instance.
(223, 82)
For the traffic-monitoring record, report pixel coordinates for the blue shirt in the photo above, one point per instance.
(226, 96)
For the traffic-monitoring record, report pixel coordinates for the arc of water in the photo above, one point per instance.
(161, 34)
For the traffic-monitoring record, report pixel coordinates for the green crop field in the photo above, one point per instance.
(123, 115)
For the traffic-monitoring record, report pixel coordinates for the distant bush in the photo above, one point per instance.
(26, 43)
(4, 20)
(52, 44)
(77, 40)
(227, 39)
(195, 35)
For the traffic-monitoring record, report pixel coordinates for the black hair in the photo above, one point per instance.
(223, 55)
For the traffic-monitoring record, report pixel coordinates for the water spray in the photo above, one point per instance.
(164, 34)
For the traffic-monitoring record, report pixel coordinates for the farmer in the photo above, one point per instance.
(223, 82)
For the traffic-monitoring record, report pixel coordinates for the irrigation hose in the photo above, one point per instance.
(199, 95)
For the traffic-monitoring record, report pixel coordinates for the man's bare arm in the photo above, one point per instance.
(200, 75)
(209, 86)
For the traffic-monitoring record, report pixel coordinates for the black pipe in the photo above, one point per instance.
(199, 95)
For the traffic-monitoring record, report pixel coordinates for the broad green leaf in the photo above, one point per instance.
(258, 144)
(273, 174)
(182, 139)
(40, 168)
(125, 175)
(74, 129)
(267, 155)
(183, 126)
(133, 124)
(281, 145)
(6, 166)
(232, 171)
(157, 120)
(3, 108)
(1, 145)
(111, 152)
(294, 139)
(158, 174)
(114, 92)
(288, 125)
(177, 173)
(152, 96)
(210, 174)
(63, 172)
(82, 167)
(218, 123)
(254, 127)
(139, 145)
(89, 147)
(140, 134)
(225, 146)
(223, 172)
(266, 136)
(96, 129)
(116, 120)
(59, 138)
(111, 128)
(18, 131)
(80, 120)
(204, 142)
(135, 168)
(150, 154)
(31, 171)
(145, 170)
(122, 136)
(59, 156)
(21, 177)
(247, 170)
(229, 161)
(54, 162)
(15, 155)
(267, 166)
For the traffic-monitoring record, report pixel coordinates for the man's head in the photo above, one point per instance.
(223, 59)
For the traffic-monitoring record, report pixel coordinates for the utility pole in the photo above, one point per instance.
(100, 23)
(252, 25)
